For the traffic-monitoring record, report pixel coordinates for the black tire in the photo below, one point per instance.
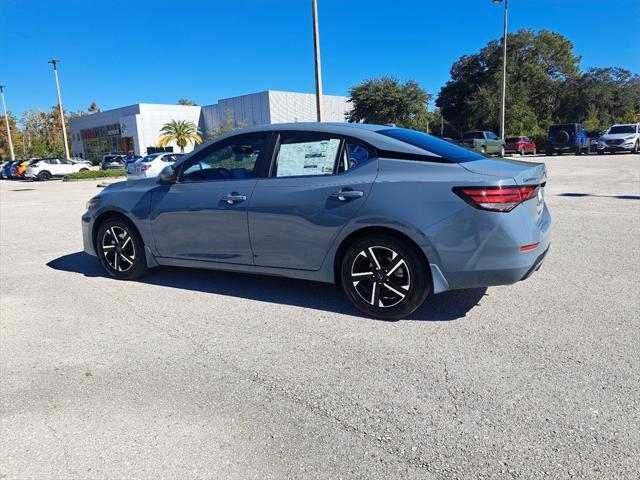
(523, 152)
(548, 152)
(44, 176)
(636, 147)
(502, 152)
(579, 149)
(601, 152)
(394, 290)
(483, 150)
(120, 249)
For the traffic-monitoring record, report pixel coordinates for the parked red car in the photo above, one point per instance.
(521, 145)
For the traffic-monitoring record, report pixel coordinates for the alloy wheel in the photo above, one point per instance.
(118, 249)
(380, 276)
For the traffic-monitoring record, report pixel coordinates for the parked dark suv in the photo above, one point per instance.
(567, 137)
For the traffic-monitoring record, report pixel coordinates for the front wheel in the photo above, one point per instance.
(120, 250)
(636, 148)
(483, 150)
(501, 151)
(384, 277)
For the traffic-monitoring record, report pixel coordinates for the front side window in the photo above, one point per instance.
(491, 136)
(302, 155)
(234, 160)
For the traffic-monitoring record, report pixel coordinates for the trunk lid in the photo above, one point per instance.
(524, 173)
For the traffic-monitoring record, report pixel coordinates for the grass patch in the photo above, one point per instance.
(90, 174)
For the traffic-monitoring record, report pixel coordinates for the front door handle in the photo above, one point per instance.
(234, 197)
(343, 195)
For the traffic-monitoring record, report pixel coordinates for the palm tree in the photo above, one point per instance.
(182, 132)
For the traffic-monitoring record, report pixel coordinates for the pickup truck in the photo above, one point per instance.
(484, 142)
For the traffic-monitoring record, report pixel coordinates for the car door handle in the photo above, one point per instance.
(343, 195)
(234, 198)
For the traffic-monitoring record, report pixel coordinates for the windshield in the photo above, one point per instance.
(149, 158)
(622, 129)
(432, 144)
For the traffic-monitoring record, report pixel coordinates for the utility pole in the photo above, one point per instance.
(6, 121)
(318, 67)
(504, 67)
(64, 128)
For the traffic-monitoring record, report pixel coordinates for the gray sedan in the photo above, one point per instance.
(391, 215)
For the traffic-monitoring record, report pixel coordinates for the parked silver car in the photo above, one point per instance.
(389, 214)
(625, 137)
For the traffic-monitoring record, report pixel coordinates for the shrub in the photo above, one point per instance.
(88, 174)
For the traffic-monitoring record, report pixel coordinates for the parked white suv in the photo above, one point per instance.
(151, 165)
(46, 168)
(624, 137)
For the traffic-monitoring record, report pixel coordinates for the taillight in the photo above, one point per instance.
(497, 199)
(144, 168)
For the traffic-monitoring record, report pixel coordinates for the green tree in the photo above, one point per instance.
(182, 132)
(387, 100)
(592, 122)
(186, 101)
(538, 66)
(229, 125)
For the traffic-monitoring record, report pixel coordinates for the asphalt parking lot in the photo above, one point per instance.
(197, 374)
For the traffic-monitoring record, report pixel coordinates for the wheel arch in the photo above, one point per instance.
(375, 230)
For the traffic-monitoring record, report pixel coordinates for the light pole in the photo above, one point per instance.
(504, 66)
(64, 128)
(6, 121)
(318, 67)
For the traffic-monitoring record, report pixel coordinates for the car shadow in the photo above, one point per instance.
(580, 195)
(446, 306)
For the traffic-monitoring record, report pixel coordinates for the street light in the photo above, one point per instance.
(6, 121)
(504, 66)
(64, 128)
(318, 68)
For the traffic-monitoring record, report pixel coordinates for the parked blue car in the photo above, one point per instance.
(567, 137)
(391, 215)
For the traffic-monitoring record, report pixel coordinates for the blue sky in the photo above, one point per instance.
(118, 52)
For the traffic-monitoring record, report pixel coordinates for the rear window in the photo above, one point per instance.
(569, 127)
(150, 158)
(472, 135)
(432, 144)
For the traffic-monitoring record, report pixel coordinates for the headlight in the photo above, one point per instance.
(630, 138)
(93, 203)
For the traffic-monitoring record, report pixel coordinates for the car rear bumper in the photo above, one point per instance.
(491, 253)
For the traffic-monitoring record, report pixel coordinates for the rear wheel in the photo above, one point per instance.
(522, 152)
(384, 277)
(501, 151)
(548, 152)
(120, 249)
(44, 176)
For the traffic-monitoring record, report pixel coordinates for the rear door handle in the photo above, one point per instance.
(343, 195)
(234, 198)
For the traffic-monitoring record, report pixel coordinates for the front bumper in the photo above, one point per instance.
(87, 239)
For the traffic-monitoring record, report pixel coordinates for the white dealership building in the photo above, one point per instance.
(136, 128)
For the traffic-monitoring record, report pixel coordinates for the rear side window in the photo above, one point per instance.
(433, 145)
(301, 155)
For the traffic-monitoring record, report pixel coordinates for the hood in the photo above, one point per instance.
(524, 173)
(617, 136)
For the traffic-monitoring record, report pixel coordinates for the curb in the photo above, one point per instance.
(117, 179)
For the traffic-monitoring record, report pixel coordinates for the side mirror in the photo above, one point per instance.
(168, 175)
